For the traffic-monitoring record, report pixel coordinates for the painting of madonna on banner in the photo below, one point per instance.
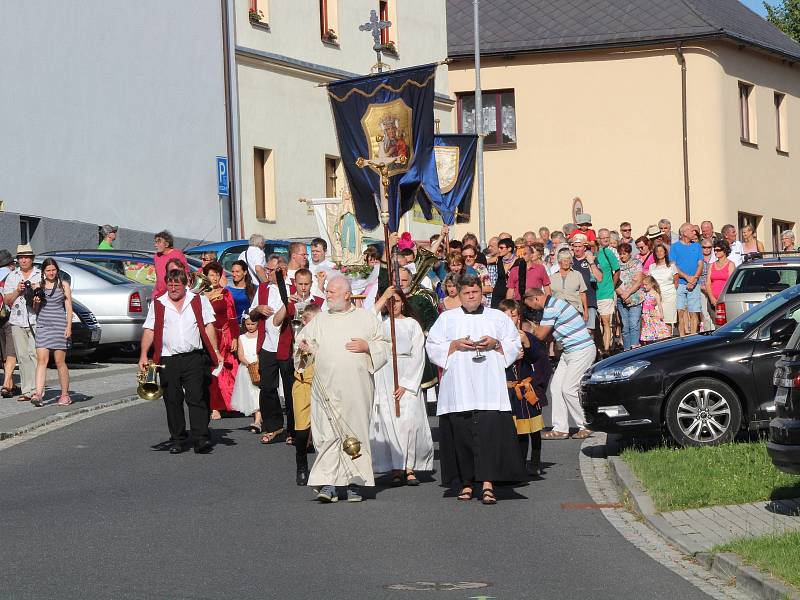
(389, 131)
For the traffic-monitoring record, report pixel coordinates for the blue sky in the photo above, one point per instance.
(756, 5)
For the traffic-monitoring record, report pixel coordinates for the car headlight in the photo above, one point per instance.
(619, 372)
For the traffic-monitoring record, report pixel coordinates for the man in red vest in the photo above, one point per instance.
(180, 328)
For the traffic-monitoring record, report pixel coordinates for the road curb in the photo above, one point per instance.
(726, 565)
(63, 416)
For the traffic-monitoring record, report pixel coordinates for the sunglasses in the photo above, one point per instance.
(718, 250)
(626, 230)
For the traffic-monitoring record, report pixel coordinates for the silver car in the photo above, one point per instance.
(119, 305)
(759, 277)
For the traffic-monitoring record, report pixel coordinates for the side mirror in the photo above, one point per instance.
(781, 330)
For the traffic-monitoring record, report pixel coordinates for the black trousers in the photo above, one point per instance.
(536, 447)
(186, 378)
(301, 437)
(268, 401)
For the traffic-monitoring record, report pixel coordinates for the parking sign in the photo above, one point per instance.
(222, 175)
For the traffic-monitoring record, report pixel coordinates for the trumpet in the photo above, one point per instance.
(199, 283)
(149, 388)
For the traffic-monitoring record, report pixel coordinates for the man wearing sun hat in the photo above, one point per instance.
(584, 223)
(584, 262)
(22, 320)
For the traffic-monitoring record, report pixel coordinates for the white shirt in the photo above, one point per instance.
(467, 385)
(736, 256)
(19, 310)
(254, 257)
(272, 331)
(181, 333)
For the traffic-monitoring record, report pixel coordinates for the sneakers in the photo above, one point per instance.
(328, 494)
(354, 493)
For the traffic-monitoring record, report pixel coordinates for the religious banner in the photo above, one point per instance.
(385, 119)
(450, 192)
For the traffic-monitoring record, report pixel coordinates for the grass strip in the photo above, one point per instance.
(735, 473)
(779, 555)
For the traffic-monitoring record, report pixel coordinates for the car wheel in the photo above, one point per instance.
(702, 412)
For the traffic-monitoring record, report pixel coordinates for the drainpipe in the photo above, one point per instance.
(232, 115)
(682, 61)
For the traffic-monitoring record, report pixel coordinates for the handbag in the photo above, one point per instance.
(255, 375)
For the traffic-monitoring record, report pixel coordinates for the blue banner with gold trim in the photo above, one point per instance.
(451, 190)
(385, 118)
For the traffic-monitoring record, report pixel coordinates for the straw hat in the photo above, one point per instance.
(653, 232)
(25, 250)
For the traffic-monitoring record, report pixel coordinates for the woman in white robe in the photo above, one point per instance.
(401, 444)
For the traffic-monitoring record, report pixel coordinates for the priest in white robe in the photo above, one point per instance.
(478, 441)
(401, 444)
(348, 346)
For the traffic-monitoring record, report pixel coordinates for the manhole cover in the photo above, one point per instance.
(437, 586)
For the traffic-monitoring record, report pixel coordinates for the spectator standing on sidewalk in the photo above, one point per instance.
(22, 317)
(584, 262)
(108, 233)
(688, 258)
(7, 353)
(737, 253)
(567, 327)
(53, 330)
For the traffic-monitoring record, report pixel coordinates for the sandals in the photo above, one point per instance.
(270, 437)
(215, 415)
(36, 399)
(411, 479)
(582, 434)
(254, 428)
(397, 480)
(24, 398)
(64, 400)
(488, 498)
(289, 440)
(466, 494)
(5, 392)
(555, 435)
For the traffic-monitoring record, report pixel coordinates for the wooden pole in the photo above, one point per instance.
(389, 272)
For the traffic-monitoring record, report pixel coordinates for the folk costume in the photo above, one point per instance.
(478, 438)
(227, 327)
(344, 381)
(402, 443)
(182, 346)
(268, 368)
(527, 380)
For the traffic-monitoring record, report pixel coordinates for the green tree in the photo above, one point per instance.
(785, 15)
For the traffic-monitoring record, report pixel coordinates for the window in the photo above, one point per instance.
(781, 128)
(328, 21)
(747, 114)
(746, 219)
(499, 117)
(27, 227)
(778, 227)
(264, 184)
(331, 176)
(259, 11)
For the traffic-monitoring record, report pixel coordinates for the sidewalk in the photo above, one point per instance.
(91, 387)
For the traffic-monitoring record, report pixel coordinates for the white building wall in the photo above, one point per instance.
(113, 112)
(282, 109)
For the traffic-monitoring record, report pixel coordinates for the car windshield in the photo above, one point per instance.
(103, 273)
(755, 315)
(764, 279)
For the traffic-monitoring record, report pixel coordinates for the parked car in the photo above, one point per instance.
(137, 266)
(86, 333)
(228, 252)
(759, 277)
(118, 304)
(784, 430)
(702, 389)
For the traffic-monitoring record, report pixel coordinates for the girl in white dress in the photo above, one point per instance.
(245, 395)
(401, 444)
(666, 276)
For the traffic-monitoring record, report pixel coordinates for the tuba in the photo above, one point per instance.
(424, 261)
(149, 388)
(199, 283)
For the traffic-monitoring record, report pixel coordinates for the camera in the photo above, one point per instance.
(30, 293)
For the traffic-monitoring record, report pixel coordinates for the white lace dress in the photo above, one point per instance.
(245, 394)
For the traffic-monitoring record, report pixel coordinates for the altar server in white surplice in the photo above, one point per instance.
(478, 440)
(401, 444)
(347, 347)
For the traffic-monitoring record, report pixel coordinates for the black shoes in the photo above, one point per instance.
(204, 448)
(176, 449)
(302, 476)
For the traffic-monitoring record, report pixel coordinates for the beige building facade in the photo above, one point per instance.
(607, 125)
(287, 144)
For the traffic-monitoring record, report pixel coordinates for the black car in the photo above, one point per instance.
(85, 331)
(784, 429)
(703, 389)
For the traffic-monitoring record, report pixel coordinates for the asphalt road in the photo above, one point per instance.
(92, 511)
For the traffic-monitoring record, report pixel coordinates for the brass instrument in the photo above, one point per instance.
(199, 283)
(424, 262)
(149, 388)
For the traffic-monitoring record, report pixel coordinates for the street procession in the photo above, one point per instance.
(506, 276)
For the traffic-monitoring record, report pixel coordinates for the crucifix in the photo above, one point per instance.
(375, 26)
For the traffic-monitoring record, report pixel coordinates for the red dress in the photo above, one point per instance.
(227, 330)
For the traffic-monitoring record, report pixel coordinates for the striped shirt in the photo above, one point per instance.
(569, 328)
